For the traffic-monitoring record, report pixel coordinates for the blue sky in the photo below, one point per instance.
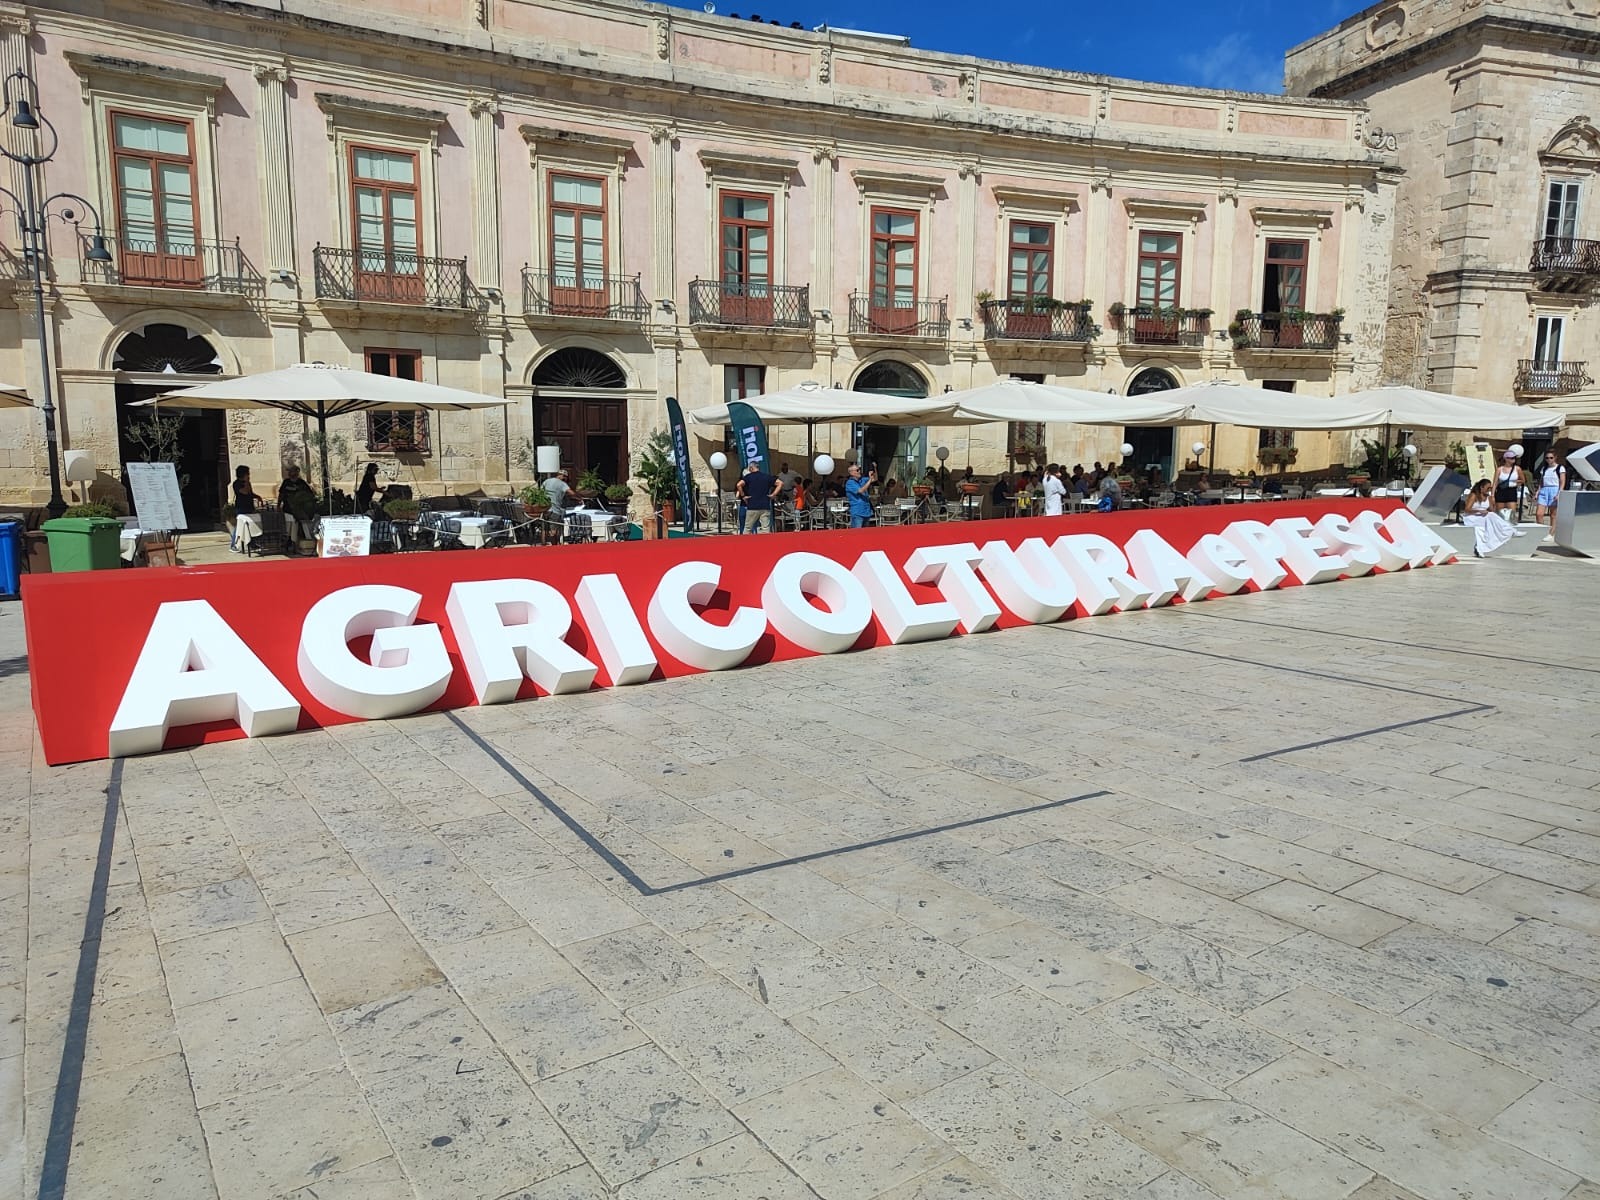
(1224, 43)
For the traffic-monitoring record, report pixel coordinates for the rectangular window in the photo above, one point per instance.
(397, 431)
(1561, 210)
(1283, 285)
(1276, 439)
(1160, 255)
(894, 268)
(741, 381)
(385, 207)
(156, 210)
(578, 245)
(1547, 333)
(1032, 262)
(745, 238)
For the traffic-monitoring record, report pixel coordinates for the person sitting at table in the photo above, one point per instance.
(294, 493)
(1001, 497)
(802, 494)
(1272, 487)
(891, 490)
(1079, 483)
(1110, 493)
(368, 492)
(244, 495)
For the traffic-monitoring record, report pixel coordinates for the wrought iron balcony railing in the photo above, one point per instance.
(1286, 331)
(1163, 327)
(562, 293)
(392, 277)
(751, 304)
(1536, 378)
(1033, 319)
(182, 263)
(1565, 256)
(880, 314)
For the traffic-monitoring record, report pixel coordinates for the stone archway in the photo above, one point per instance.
(898, 451)
(571, 409)
(162, 357)
(1152, 446)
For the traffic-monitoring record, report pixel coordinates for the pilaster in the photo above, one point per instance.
(15, 29)
(663, 211)
(825, 156)
(485, 264)
(968, 173)
(277, 178)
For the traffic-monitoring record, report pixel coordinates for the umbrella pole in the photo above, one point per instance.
(1212, 443)
(322, 436)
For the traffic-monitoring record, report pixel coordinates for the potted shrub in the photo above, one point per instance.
(657, 473)
(590, 484)
(617, 497)
(1291, 329)
(535, 500)
(402, 509)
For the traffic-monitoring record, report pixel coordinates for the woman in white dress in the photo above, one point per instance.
(1490, 530)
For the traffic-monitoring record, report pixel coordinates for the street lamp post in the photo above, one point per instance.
(22, 109)
(719, 460)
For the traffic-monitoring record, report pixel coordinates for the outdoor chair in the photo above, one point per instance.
(274, 535)
(888, 514)
(580, 528)
(384, 538)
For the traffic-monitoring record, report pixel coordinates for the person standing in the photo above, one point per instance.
(858, 490)
(1054, 490)
(1508, 482)
(1552, 478)
(368, 491)
(556, 487)
(758, 490)
(244, 504)
(788, 477)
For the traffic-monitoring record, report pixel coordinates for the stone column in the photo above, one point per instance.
(15, 29)
(485, 265)
(1219, 353)
(970, 172)
(663, 216)
(277, 178)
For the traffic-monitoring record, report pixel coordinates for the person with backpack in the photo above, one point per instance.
(1508, 481)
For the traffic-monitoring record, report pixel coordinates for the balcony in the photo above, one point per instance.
(893, 319)
(1291, 332)
(375, 277)
(1566, 264)
(1170, 327)
(750, 305)
(1536, 378)
(1038, 319)
(550, 296)
(179, 264)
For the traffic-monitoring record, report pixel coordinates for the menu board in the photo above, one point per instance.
(1480, 461)
(156, 501)
(345, 537)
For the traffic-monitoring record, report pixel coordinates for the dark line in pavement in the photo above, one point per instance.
(1200, 611)
(561, 814)
(1354, 737)
(69, 1077)
(889, 840)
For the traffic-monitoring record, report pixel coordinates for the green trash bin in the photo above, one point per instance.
(84, 543)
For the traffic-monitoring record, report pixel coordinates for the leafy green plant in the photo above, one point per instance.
(984, 296)
(1117, 308)
(404, 509)
(1378, 461)
(591, 481)
(657, 469)
(534, 496)
(93, 508)
(158, 438)
(619, 493)
(1456, 457)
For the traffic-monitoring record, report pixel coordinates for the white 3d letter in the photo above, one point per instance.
(1392, 555)
(1431, 549)
(1029, 580)
(1222, 560)
(194, 668)
(1099, 570)
(1164, 571)
(615, 630)
(508, 628)
(1261, 549)
(949, 568)
(1301, 552)
(803, 623)
(1343, 538)
(406, 670)
(902, 617)
(688, 636)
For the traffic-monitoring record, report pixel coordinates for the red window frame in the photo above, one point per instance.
(1016, 246)
(1277, 260)
(724, 223)
(1175, 257)
(412, 279)
(577, 299)
(382, 427)
(885, 312)
(156, 267)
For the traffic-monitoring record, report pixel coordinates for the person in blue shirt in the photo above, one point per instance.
(857, 489)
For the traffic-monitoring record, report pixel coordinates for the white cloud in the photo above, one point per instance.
(1236, 64)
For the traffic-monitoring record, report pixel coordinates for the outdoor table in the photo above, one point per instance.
(600, 520)
(474, 530)
(248, 525)
(130, 543)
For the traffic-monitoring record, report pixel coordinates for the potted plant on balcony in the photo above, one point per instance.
(657, 473)
(535, 500)
(1239, 331)
(590, 484)
(1291, 329)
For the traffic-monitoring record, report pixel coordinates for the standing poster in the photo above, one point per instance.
(156, 500)
(749, 435)
(344, 537)
(680, 458)
(1480, 461)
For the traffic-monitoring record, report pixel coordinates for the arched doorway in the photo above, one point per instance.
(571, 410)
(159, 358)
(1152, 445)
(898, 451)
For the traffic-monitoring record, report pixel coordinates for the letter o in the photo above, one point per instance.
(803, 623)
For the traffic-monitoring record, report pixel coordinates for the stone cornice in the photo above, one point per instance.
(907, 184)
(358, 110)
(1032, 199)
(737, 162)
(548, 141)
(1319, 218)
(146, 76)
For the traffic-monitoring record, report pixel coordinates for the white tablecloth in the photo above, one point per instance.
(599, 520)
(474, 530)
(248, 525)
(130, 543)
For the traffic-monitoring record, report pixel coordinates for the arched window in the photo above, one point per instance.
(578, 367)
(1152, 380)
(166, 350)
(890, 376)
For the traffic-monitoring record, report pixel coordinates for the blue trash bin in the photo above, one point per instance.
(10, 558)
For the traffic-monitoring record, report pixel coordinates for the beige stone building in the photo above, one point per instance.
(589, 205)
(1491, 108)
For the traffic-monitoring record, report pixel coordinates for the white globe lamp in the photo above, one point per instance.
(1199, 448)
(718, 461)
(823, 464)
(1127, 449)
(1515, 448)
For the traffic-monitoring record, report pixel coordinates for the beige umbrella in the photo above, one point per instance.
(322, 391)
(13, 397)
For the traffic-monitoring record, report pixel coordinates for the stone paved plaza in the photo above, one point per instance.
(1288, 895)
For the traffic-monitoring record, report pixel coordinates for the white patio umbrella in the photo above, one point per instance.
(1222, 402)
(13, 397)
(812, 405)
(322, 391)
(1020, 400)
(1415, 408)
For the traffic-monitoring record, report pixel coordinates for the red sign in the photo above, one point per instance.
(130, 661)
